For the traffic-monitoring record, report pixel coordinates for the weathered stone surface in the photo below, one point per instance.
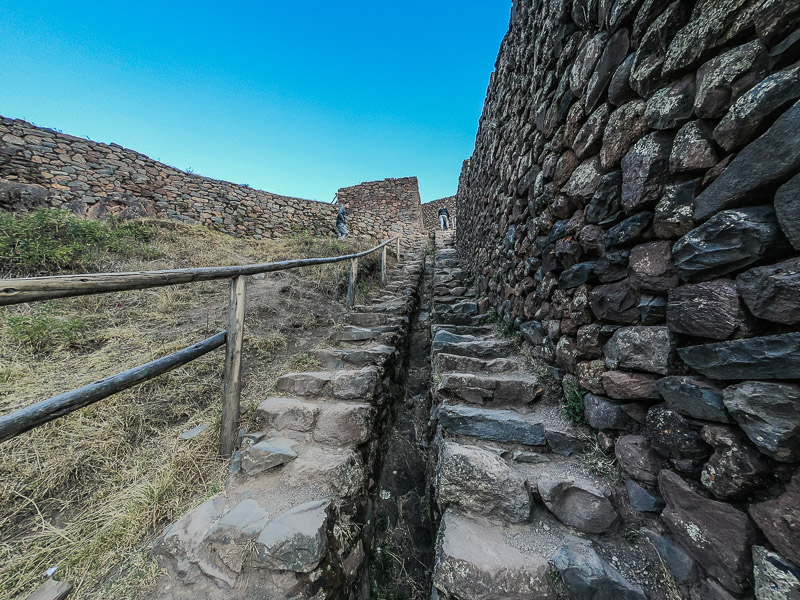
(652, 309)
(768, 357)
(585, 62)
(619, 89)
(625, 127)
(769, 413)
(612, 266)
(584, 179)
(311, 383)
(682, 567)
(709, 309)
(227, 538)
(356, 385)
(724, 78)
(694, 397)
(637, 458)
(590, 341)
(343, 424)
(578, 503)
(646, 70)
(474, 561)
(615, 302)
(751, 111)
(612, 57)
(589, 375)
(671, 105)
(641, 348)
(715, 534)
(645, 170)
(606, 198)
(477, 388)
(772, 157)
(629, 230)
(587, 576)
(671, 436)
(641, 499)
(590, 135)
(779, 519)
(736, 468)
(693, 148)
(728, 242)
(604, 415)
(566, 353)
(505, 426)
(775, 577)
(565, 443)
(471, 478)
(22, 197)
(787, 209)
(773, 292)
(652, 268)
(295, 540)
(621, 385)
(288, 413)
(443, 363)
(265, 455)
(469, 345)
(575, 275)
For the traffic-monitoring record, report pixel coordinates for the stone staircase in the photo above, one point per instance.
(515, 498)
(291, 521)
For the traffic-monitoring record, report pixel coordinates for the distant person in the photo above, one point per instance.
(444, 218)
(341, 220)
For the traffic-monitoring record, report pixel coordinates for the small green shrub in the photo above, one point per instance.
(492, 316)
(48, 241)
(43, 332)
(573, 407)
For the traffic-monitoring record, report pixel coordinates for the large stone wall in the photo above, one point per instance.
(430, 212)
(632, 206)
(42, 167)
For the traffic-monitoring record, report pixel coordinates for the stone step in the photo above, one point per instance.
(473, 560)
(468, 345)
(362, 384)
(337, 358)
(474, 330)
(329, 423)
(443, 363)
(482, 388)
(351, 333)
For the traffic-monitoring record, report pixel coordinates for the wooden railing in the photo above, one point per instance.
(32, 289)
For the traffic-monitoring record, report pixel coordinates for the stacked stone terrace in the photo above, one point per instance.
(632, 207)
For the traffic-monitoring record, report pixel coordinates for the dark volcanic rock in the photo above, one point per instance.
(612, 57)
(629, 230)
(642, 348)
(584, 179)
(505, 426)
(645, 170)
(584, 63)
(622, 385)
(590, 341)
(647, 64)
(637, 458)
(751, 111)
(682, 567)
(773, 292)
(694, 397)
(771, 158)
(787, 209)
(775, 577)
(768, 357)
(673, 214)
(672, 105)
(615, 302)
(578, 503)
(693, 148)
(779, 519)
(714, 533)
(709, 309)
(736, 468)
(625, 127)
(612, 266)
(652, 268)
(641, 499)
(591, 134)
(652, 309)
(606, 199)
(769, 413)
(602, 414)
(723, 79)
(619, 89)
(728, 242)
(587, 576)
(575, 275)
(671, 436)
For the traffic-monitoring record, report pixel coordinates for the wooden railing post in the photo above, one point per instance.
(398, 248)
(233, 366)
(383, 265)
(351, 286)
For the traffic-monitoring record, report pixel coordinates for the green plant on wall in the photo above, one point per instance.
(573, 405)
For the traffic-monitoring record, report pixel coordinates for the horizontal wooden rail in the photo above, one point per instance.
(40, 413)
(30, 289)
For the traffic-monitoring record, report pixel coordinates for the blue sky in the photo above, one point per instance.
(297, 98)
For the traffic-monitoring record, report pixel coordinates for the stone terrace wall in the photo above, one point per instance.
(385, 208)
(42, 167)
(633, 207)
(430, 212)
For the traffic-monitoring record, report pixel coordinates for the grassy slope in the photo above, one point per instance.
(88, 492)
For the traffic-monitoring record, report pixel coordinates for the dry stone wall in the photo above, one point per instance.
(632, 206)
(43, 167)
(430, 212)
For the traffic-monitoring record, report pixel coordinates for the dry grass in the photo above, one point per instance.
(89, 492)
